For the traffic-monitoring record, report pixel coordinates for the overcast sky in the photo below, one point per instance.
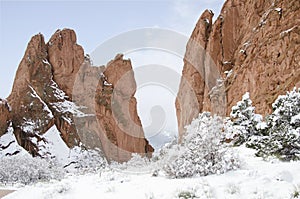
(94, 22)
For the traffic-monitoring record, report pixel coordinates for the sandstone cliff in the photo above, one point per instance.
(4, 116)
(36, 100)
(42, 96)
(116, 111)
(107, 93)
(252, 46)
(66, 57)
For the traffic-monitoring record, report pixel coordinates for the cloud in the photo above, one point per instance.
(185, 13)
(183, 9)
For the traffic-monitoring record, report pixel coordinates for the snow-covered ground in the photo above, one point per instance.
(255, 178)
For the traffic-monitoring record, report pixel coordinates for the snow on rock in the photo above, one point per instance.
(9, 145)
(45, 61)
(58, 93)
(54, 146)
(45, 107)
(28, 126)
(278, 9)
(284, 33)
(63, 105)
(67, 106)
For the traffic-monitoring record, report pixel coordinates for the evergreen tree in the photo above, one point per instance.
(245, 122)
(283, 129)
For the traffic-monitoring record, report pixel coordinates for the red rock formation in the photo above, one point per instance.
(84, 93)
(192, 86)
(66, 57)
(270, 60)
(42, 96)
(258, 42)
(117, 112)
(4, 116)
(36, 100)
(111, 109)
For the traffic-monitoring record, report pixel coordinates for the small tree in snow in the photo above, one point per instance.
(83, 160)
(24, 169)
(286, 110)
(283, 129)
(203, 151)
(245, 121)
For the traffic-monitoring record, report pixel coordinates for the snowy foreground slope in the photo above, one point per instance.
(254, 179)
(213, 147)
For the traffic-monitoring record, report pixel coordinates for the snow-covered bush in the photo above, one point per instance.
(203, 151)
(282, 137)
(286, 110)
(24, 169)
(296, 193)
(165, 151)
(187, 195)
(137, 161)
(83, 160)
(199, 190)
(137, 164)
(245, 122)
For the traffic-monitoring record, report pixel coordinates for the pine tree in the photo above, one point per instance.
(245, 121)
(283, 129)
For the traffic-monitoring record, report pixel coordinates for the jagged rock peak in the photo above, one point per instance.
(42, 99)
(33, 60)
(38, 101)
(192, 85)
(36, 45)
(116, 110)
(66, 58)
(203, 26)
(60, 35)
